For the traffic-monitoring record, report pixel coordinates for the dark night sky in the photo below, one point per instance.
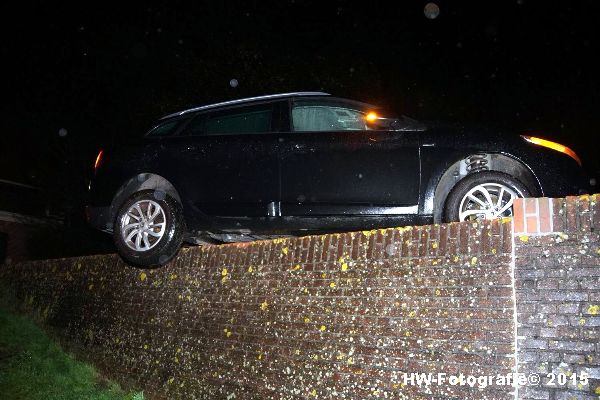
(107, 73)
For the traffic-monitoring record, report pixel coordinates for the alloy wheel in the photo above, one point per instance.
(143, 225)
(487, 201)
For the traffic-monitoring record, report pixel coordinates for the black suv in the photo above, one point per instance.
(299, 163)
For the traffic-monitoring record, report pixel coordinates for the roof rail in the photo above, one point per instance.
(245, 100)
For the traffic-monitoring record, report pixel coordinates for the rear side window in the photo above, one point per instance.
(311, 116)
(167, 128)
(240, 120)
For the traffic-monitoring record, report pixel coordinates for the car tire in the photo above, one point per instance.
(149, 228)
(477, 197)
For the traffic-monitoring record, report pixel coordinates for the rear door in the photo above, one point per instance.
(224, 163)
(332, 163)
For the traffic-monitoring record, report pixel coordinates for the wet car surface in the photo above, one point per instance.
(309, 162)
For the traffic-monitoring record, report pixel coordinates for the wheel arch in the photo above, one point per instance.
(498, 162)
(137, 183)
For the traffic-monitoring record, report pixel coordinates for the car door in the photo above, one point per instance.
(224, 162)
(332, 163)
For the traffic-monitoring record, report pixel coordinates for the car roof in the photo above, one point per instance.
(245, 100)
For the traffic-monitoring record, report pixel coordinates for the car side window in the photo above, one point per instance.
(311, 116)
(167, 128)
(239, 120)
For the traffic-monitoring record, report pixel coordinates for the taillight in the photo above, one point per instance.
(98, 160)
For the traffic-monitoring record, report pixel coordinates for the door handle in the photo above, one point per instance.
(302, 149)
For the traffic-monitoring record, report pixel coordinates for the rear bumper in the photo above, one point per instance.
(99, 218)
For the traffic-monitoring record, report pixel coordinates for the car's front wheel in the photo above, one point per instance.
(149, 228)
(483, 195)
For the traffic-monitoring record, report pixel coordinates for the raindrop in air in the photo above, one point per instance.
(62, 132)
(233, 83)
(431, 10)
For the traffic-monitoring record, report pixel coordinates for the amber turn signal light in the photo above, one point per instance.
(553, 145)
(371, 117)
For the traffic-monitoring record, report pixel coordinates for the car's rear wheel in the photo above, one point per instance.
(483, 195)
(149, 228)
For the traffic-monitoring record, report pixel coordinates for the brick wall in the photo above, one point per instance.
(344, 315)
(332, 316)
(557, 267)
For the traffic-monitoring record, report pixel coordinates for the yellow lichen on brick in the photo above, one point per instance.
(296, 267)
(412, 314)
(323, 328)
(434, 245)
(344, 267)
(250, 269)
(285, 251)
(264, 305)
(171, 380)
(306, 320)
(332, 285)
(142, 276)
(438, 292)
(473, 260)
(224, 272)
(593, 309)
(524, 238)
(597, 391)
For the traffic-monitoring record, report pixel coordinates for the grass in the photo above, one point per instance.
(32, 366)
